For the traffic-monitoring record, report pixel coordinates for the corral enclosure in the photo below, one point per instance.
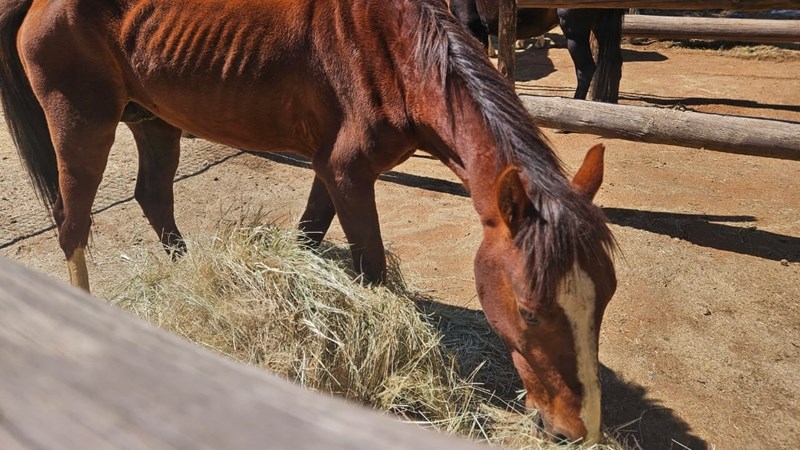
(702, 340)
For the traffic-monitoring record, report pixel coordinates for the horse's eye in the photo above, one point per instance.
(529, 317)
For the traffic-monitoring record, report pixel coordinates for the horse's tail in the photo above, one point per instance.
(608, 32)
(24, 115)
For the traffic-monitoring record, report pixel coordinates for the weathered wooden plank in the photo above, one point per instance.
(75, 373)
(761, 137)
(746, 30)
(506, 38)
(740, 5)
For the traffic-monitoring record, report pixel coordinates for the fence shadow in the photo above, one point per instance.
(393, 176)
(690, 102)
(706, 230)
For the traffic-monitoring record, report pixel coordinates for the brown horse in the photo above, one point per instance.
(356, 86)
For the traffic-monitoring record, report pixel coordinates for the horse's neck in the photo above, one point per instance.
(458, 136)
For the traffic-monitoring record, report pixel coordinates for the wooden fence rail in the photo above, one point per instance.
(76, 373)
(508, 14)
(760, 137)
(744, 30)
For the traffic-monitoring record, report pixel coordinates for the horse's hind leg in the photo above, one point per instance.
(82, 143)
(158, 144)
(318, 215)
(73, 76)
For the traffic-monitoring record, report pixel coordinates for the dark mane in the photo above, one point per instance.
(565, 226)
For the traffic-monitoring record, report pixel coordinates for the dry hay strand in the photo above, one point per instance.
(254, 293)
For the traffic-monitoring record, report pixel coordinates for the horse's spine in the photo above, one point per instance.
(609, 58)
(24, 115)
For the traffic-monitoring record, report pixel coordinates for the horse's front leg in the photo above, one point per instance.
(350, 183)
(318, 215)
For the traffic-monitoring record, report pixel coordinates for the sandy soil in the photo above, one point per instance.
(701, 344)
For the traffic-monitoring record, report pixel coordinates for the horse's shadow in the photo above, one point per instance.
(636, 420)
(533, 64)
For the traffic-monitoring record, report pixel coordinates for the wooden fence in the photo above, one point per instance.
(76, 373)
(657, 125)
(508, 20)
(743, 135)
(724, 29)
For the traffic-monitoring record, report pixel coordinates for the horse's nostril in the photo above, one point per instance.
(540, 423)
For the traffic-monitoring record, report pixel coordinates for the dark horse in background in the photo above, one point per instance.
(357, 86)
(481, 17)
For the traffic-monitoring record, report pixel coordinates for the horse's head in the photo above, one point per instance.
(548, 306)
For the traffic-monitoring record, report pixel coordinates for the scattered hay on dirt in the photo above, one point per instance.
(253, 293)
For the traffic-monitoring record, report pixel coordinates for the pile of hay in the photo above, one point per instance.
(253, 293)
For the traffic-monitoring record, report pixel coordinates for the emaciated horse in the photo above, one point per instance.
(356, 86)
(481, 17)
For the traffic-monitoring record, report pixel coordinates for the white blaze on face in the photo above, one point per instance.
(576, 296)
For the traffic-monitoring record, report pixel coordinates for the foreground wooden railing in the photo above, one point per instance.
(75, 373)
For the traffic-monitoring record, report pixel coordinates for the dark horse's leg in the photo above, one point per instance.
(318, 215)
(350, 181)
(577, 27)
(158, 144)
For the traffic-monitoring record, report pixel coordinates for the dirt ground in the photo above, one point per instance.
(701, 344)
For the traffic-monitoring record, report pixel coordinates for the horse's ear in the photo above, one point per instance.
(512, 200)
(590, 176)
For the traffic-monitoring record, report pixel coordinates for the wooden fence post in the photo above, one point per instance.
(506, 37)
